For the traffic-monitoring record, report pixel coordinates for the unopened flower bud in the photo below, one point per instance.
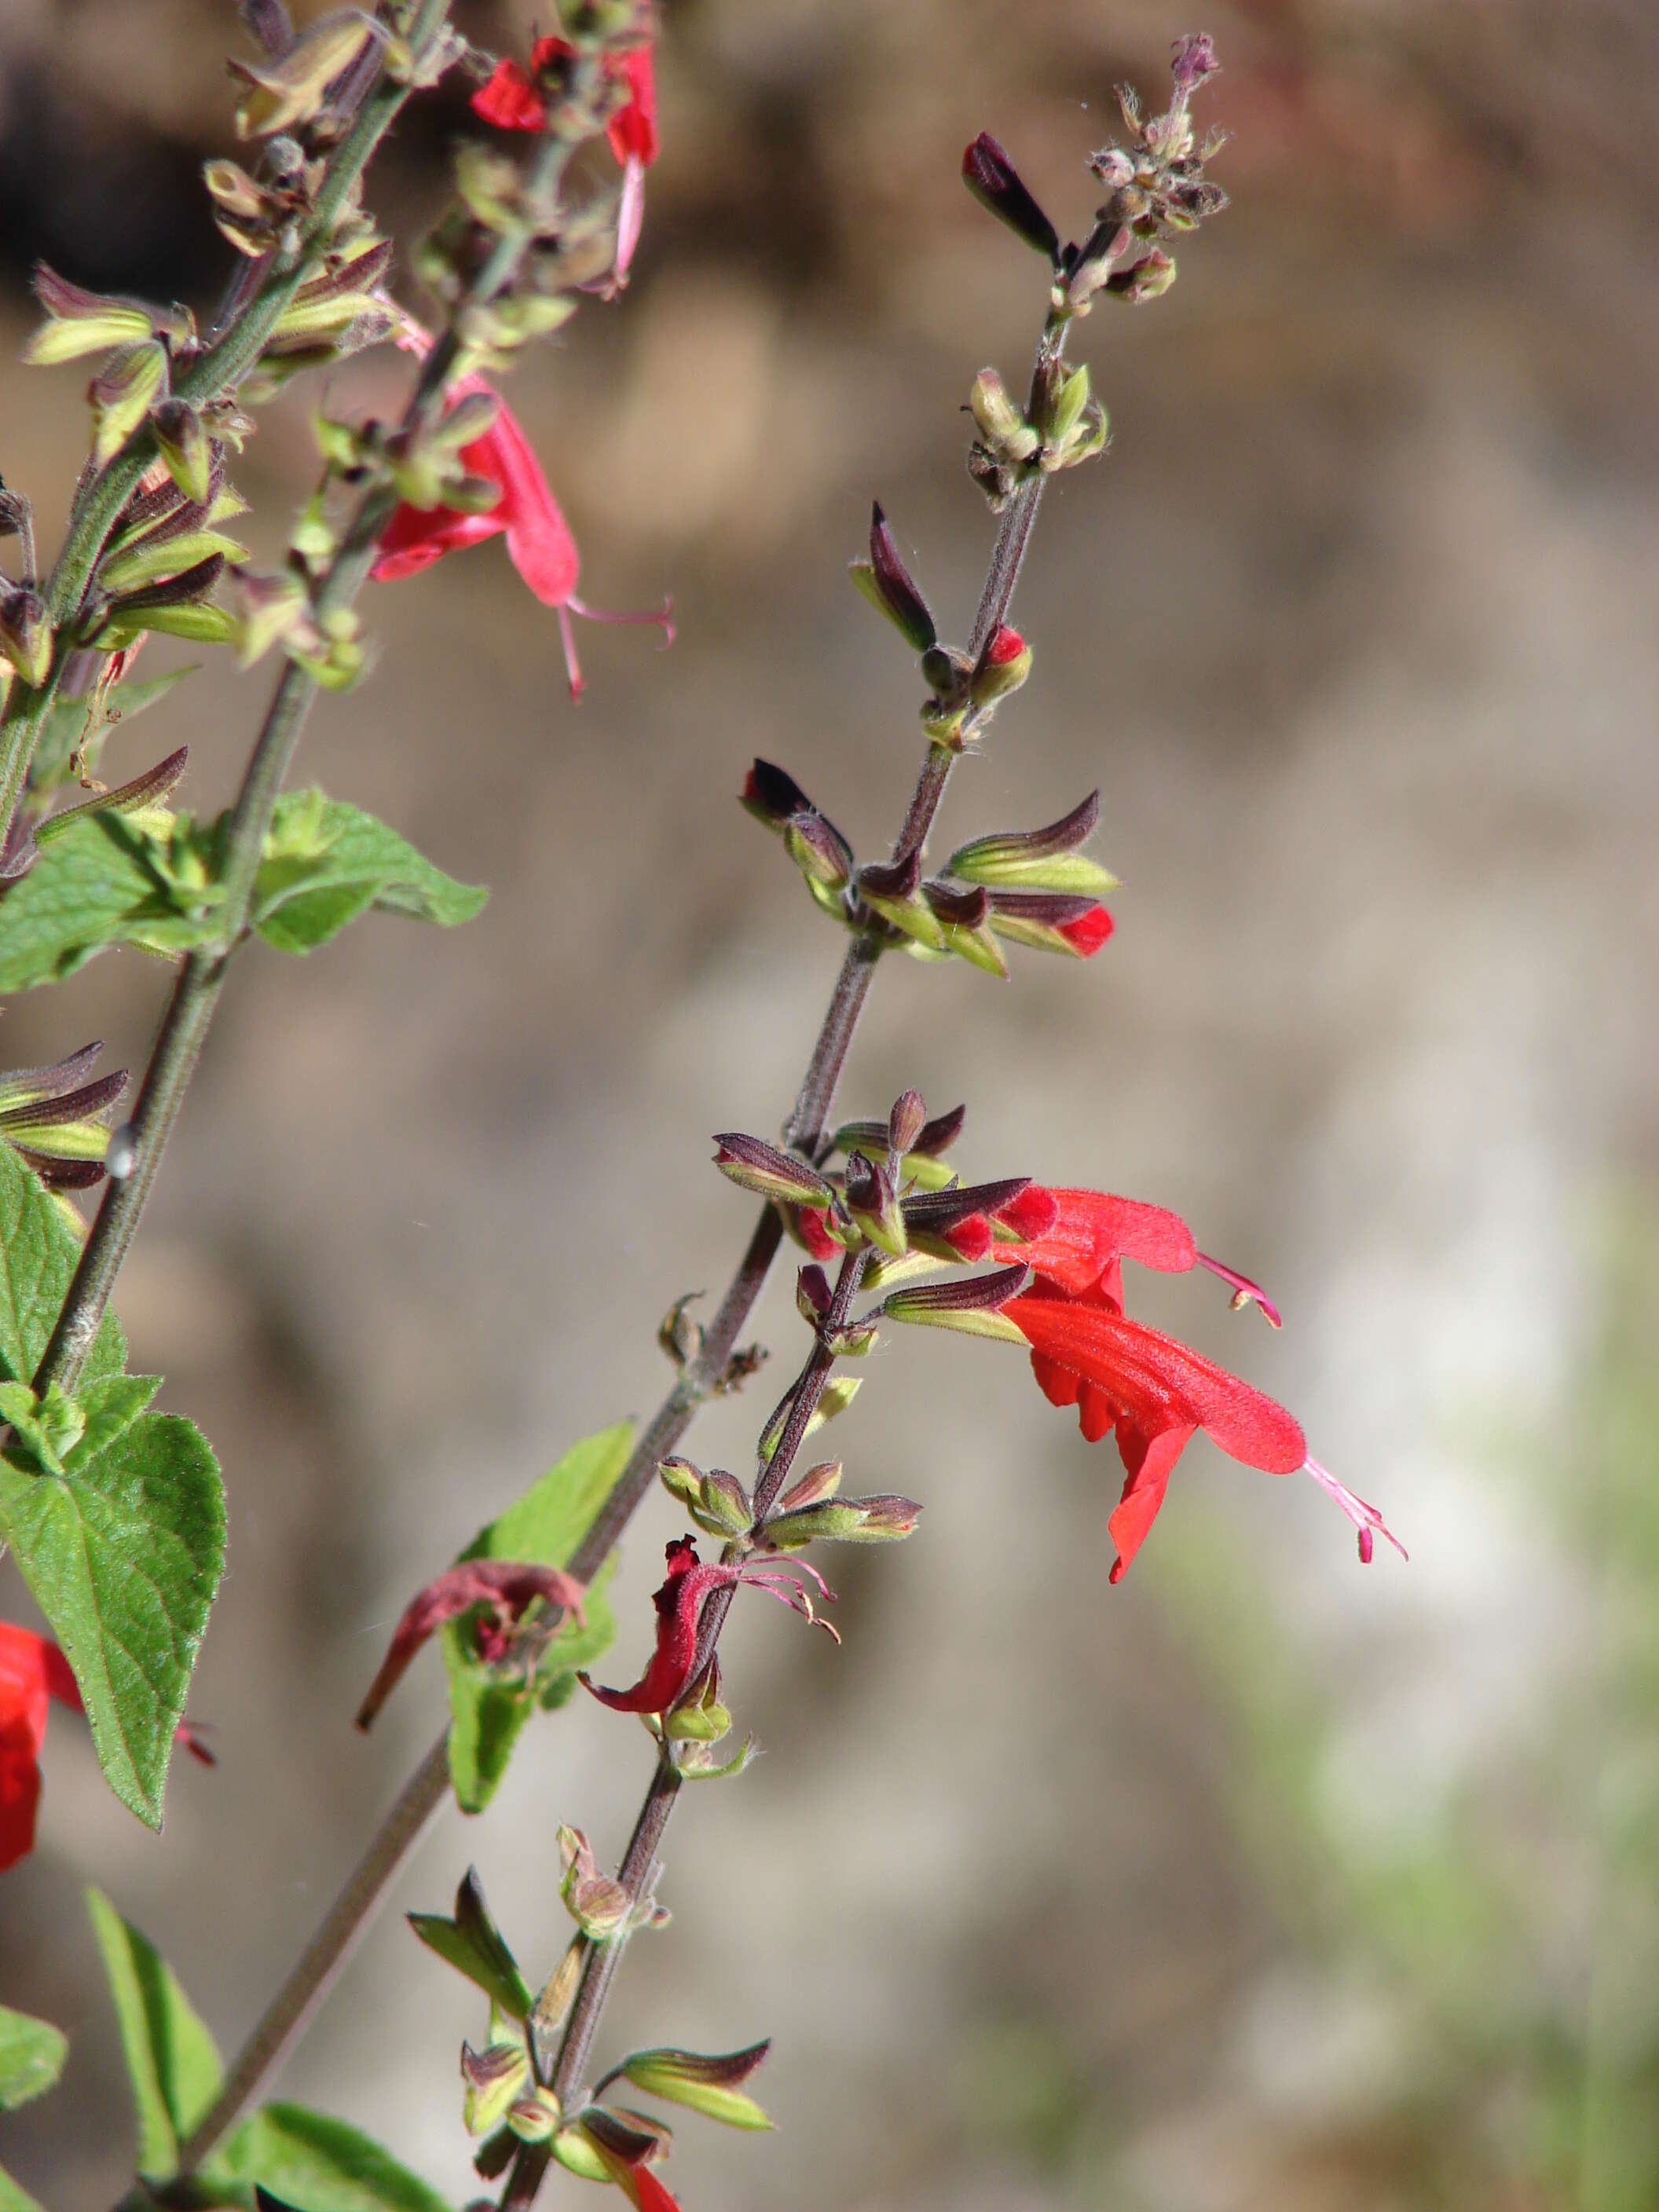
(293, 89)
(821, 1481)
(25, 633)
(1001, 424)
(1003, 666)
(123, 393)
(892, 890)
(971, 1304)
(183, 444)
(493, 2077)
(681, 1480)
(882, 1520)
(836, 1395)
(886, 583)
(963, 917)
(819, 850)
(1045, 860)
(905, 1120)
(874, 1203)
(534, 2118)
(753, 1165)
(1050, 922)
(80, 322)
(1149, 278)
(812, 1293)
(994, 182)
(269, 607)
(726, 1510)
(711, 2086)
(853, 1341)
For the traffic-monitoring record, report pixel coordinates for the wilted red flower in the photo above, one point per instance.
(539, 542)
(505, 1588)
(679, 1610)
(33, 1671)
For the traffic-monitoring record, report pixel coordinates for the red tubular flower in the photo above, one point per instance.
(679, 1611)
(33, 1671)
(538, 540)
(1081, 1249)
(506, 1587)
(1155, 1393)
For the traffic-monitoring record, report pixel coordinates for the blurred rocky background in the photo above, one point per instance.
(1261, 1881)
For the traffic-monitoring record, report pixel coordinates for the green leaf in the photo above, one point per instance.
(172, 2062)
(124, 1549)
(105, 879)
(123, 1553)
(38, 1257)
(31, 2054)
(326, 862)
(474, 1945)
(311, 2159)
(545, 1526)
(97, 884)
(15, 2198)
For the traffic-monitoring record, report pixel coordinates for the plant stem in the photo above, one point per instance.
(319, 1965)
(202, 977)
(337, 1934)
(220, 369)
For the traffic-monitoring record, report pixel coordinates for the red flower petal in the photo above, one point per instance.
(1143, 1494)
(1088, 932)
(510, 100)
(632, 130)
(1092, 1230)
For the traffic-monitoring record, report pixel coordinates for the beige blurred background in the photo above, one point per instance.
(1260, 1882)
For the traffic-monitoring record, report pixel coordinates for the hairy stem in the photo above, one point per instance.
(202, 977)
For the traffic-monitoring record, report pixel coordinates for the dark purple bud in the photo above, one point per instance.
(812, 1293)
(936, 1211)
(994, 182)
(893, 880)
(959, 909)
(887, 584)
(971, 1303)
(818, 849)
(755, 1165)
(941, 1132)
(182, 590)
(772, 797)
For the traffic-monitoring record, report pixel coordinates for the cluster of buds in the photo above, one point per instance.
(1155, 185)
(1034, 888)
(1063, 427)
(311, 83)
(506, 2094)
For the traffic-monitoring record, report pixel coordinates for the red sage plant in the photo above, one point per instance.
(114, 1513)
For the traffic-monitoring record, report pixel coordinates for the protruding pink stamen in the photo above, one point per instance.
(1366, 1518)
(664, 620)
(1245, 1292)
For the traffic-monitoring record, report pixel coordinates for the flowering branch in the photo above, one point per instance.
(202, 977)
(315, 1974)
